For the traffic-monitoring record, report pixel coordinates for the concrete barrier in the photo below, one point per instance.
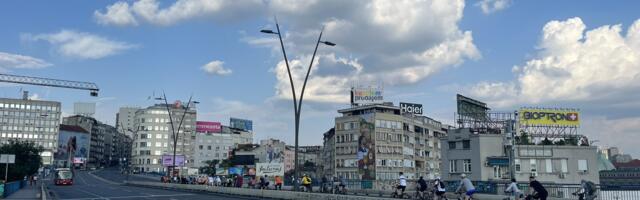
(283, 194)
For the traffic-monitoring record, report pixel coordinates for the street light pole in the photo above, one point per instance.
(173, 131)
(297, 103)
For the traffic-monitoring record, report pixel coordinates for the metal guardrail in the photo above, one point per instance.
(13, 187)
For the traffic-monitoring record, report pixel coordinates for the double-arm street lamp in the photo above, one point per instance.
(297, 103)
(173, 130)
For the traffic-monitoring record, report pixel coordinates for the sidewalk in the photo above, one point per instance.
(27, 192)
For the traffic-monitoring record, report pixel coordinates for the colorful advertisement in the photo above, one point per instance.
(270, 169)
(243, 124)
(167, 160)
(208, 127)
(549, 117)
(367, 95)
(79, 160)
(366, 148)
(236, 170)
(72, 145)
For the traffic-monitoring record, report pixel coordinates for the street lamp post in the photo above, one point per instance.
(173, 131)
(297, 103)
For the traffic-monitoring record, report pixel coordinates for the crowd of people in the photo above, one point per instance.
(261, 182)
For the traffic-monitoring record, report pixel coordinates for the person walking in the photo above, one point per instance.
(306, 182)
(278, 183)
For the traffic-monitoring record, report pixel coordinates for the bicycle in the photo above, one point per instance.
(461, 196)
(337, 189)
(398, 193)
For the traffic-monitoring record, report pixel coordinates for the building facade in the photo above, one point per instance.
(218, 146)
(125, 120)
(104, 143)
(73, 147)
(376, 142)
(328, 153)
(31, 120)
(483, 156)
(154, 137)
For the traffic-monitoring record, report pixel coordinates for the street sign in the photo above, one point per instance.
(8, 158)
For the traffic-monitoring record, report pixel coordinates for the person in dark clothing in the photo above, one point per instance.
(423, 184)
(536, 190)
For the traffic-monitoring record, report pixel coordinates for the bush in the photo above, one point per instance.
(28, 158)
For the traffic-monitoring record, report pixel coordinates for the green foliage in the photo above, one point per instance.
(572, 140)
(523, 139)
(546, 141)
(560, 142)
(210, 169)
(28, 158)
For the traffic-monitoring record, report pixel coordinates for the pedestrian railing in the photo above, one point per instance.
(13, 187)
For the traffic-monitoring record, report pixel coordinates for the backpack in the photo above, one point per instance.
(591, 188)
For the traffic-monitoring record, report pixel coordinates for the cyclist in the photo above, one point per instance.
(513, 189)
(402, 184)
(306, 182)
(587, 191)
(422, 186)
(468, 187)
(439, 188)
(536, 190)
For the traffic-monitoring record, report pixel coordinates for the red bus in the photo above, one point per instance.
(64, 176)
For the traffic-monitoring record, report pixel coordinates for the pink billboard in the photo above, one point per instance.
(167, 160)
(208, 127)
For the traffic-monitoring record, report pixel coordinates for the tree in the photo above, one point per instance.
(28, 158)
(210, 168)
(572, 140)
(546, 141)
(523, 139)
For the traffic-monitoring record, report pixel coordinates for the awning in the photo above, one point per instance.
(498, 161)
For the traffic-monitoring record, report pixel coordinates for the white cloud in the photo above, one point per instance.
(575, 65)
(34, 96)
(81, 44)
(491, 6)
(621, 133)
(216, 67)
(8, 60)
(117, 14)
(124, 14)
(395, 42)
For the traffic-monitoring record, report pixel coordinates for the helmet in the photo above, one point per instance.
(463, 175)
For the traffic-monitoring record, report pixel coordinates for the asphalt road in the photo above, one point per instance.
(86, 187)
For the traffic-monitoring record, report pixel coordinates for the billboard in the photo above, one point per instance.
(72, 145)
(208, 127)
(365, 155)
(84, 108)
(236, 170)
(79, 160)
(549, 117)
(366, 95)
(270, 169)
(167, 160)
(243, 124)
(411, 108)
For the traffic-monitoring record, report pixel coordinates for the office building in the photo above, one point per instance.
(104, 142)
(217, 143)
(125, 120)
(154, 136)
(31, 120)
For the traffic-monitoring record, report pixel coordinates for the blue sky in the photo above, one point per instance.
(423, 52)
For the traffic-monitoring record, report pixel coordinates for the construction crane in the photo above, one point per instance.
(92, 87)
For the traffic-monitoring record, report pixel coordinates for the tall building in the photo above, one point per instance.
(125, 120)
(102, 145)
(31, 120)
(155, 136)
(217, 143)
(376, 142)
(328, 153)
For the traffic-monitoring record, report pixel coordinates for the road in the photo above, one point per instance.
(87, 186)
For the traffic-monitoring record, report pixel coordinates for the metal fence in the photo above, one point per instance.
(12, 187)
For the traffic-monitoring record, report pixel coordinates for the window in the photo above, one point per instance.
(466, 144)
(143, 144)
(466, 165)
(453, 167)
(208, 147)
(582, 165)
(200, 147)
(496, 172)
(549, 165)
(452, 145)
(534, 165)
(517, 163)
(158, 144)
(564, 167)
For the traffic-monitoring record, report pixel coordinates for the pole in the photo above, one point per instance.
(174, 137)
(6, 172)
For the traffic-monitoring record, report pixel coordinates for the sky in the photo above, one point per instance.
(508, 53)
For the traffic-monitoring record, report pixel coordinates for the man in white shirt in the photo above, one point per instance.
(402, 184)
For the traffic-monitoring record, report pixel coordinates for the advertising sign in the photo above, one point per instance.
(270, 169)
(208, 127)
(8, 158)
(79, 160)
(167, 160)
(235, 170)
(411, 108)
(365, 155)
(241, 124)
(368, 95)
(549, 117)
(72, 145)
